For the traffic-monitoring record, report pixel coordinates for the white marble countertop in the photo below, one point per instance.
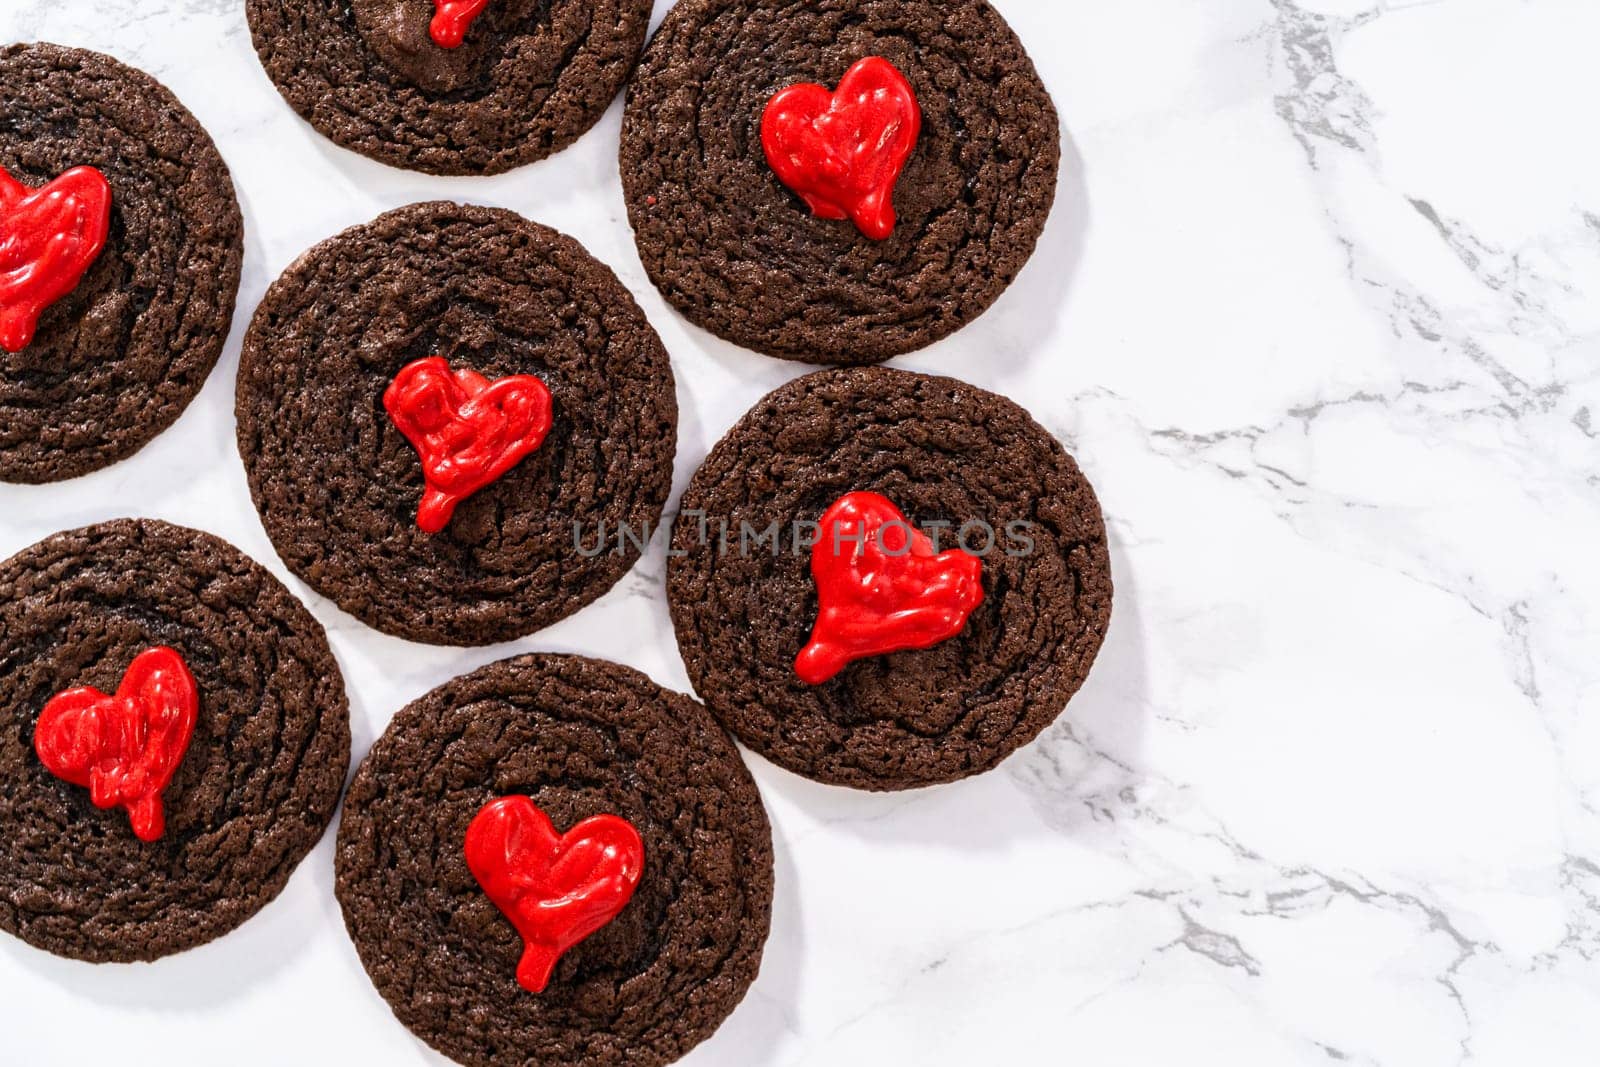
(1317, 312)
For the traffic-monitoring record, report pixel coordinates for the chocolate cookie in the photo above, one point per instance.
(114, 361)
(528, 79)
(742, 255)
(256, 785)
(744, 598)
(581, 739)
(339, 485)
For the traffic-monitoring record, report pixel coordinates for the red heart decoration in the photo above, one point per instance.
(844, 151)
(556, 889)
(881, 588)
(48, 238)
(467, 430)
(451, 19)
(124, 748)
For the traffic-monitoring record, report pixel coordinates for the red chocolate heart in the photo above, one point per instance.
(124, 748)
(844, 151)
(48, 238)
(467, 430)
(451, 19)
(881, 588)
(556, 889)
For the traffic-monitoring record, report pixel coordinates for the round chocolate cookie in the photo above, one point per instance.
(255, 788)
(744, 599)
(115, 361)
(339, 485)
(580, 738)
(741, 255)
(530, 77)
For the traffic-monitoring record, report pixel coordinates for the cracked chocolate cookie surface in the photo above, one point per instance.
(943, 452)
(338, 485)
(581, 738)
(529, 79)
(740, 254)
(116, 361)
(256, 787)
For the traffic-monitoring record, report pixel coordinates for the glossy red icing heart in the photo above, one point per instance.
(881, 588)
(48, 238)
(843, 152)
(124, 748)
(451, 20)
(556, 889)
(467, 430)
